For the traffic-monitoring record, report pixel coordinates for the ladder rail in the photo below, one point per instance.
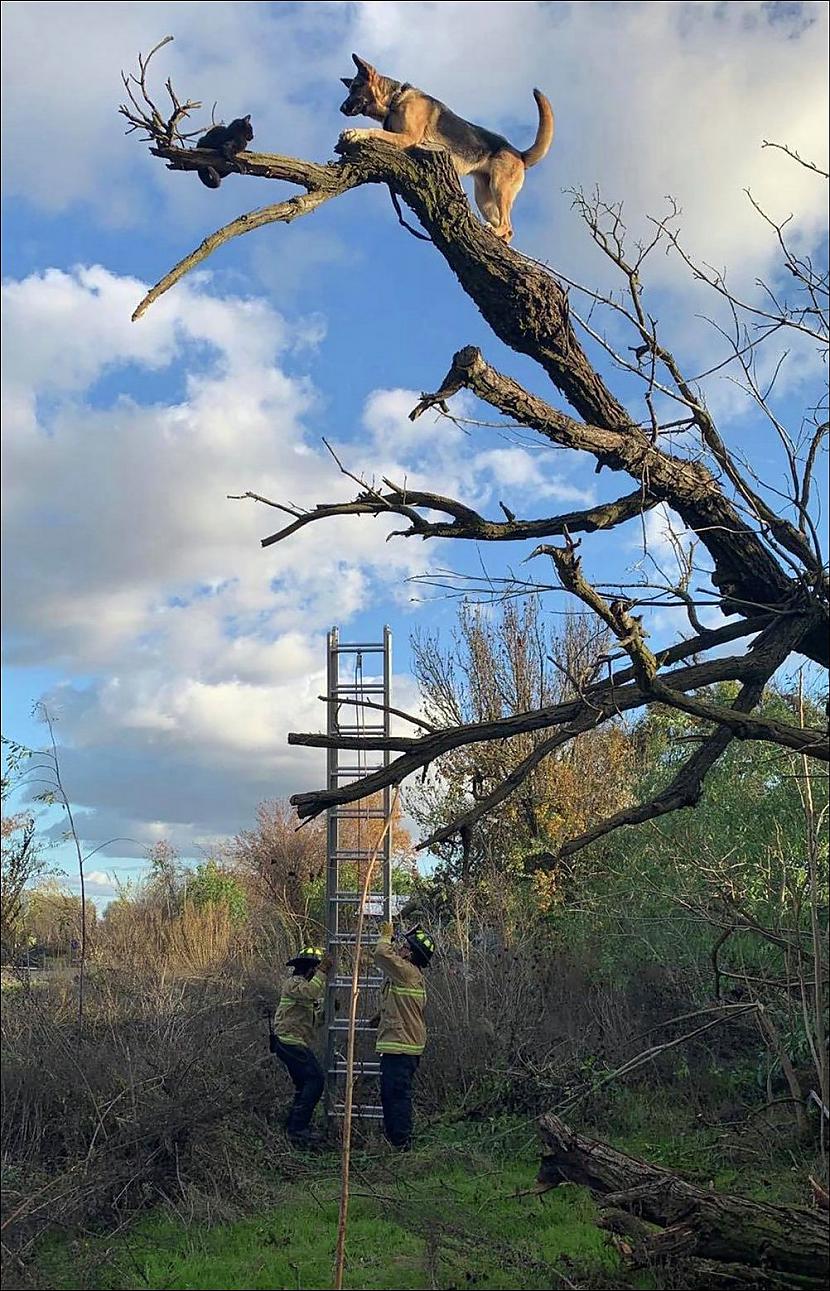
(346, 845)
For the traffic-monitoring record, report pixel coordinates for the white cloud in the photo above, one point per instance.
(99, 879)
(524, 471)
(189, 651)
(649, 99)
(250, 57)
(438, 455)
(193, 650)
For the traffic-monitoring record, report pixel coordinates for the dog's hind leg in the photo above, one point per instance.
(485, 200)
(507, 174)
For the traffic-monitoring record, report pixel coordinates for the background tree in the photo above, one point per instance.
(277, 864)
(214, 885)
(21, 856)
(53, 916)
(501, 663)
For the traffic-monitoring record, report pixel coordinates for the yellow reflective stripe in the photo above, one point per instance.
(292, 1039)
(417, 991)
(318, 978)
(389, 1046)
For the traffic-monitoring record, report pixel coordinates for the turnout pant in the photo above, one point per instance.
(307, 1076)
(397, 1071)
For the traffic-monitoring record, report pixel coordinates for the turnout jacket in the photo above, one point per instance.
(403, 999)
(299, 1011)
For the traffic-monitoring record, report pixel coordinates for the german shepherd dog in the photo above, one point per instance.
(411, 117)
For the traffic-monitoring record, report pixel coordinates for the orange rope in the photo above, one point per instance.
(340, 1256)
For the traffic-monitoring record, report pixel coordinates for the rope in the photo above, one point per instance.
(360, 722)
(340, 1255)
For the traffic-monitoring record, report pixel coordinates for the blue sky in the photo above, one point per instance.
(174, 652)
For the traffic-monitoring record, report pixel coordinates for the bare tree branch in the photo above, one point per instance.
(466, 524)
(766, 568)
(792, 153)
(685, 790)
(605, 700)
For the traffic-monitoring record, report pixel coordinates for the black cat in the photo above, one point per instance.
(227, 141)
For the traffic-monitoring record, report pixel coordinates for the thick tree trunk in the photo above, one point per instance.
(527, 308)
(730, 1241)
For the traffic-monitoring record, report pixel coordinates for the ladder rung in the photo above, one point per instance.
(370, 982)
(344, 1026)
(371, 1112)
(351, 854)
(349, 939)
(374, 646)
(352, 689)
(368, 1068)
(361, 730)
(374, 813)
(343, 898)
(357, 771)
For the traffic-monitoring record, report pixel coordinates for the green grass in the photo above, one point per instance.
(443, 1216)
(759, 1163)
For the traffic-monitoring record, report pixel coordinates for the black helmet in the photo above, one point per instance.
(421, 945)
(305, 957)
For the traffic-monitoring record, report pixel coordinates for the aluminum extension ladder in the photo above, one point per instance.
(358, 675)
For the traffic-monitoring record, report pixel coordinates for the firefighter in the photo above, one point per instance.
(401, 1029)
(297, 1018)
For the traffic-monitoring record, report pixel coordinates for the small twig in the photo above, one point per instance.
(766, 143)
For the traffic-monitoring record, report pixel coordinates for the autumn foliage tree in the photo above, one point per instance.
(499, 664)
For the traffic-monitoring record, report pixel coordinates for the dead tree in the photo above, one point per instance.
(756, 547)
(725, 1240)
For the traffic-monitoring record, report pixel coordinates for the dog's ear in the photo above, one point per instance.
(364, 69)
(347, 81)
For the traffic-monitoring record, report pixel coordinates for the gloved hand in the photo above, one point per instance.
(326, 964)
(386, 929)
(374, 1020)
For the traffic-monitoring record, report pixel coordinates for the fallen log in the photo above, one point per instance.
(729, 1241)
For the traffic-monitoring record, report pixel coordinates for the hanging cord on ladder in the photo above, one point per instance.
(360, 723)
(340, 1255)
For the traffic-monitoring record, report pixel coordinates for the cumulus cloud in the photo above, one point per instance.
(99, 879)
(440, 455)
(190, 652)
(649, 98)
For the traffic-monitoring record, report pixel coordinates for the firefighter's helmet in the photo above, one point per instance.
(305, 957)
(421, 945)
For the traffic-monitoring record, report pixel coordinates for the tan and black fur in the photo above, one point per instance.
(410, 117)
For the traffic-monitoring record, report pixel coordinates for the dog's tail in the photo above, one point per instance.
(544, 135)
